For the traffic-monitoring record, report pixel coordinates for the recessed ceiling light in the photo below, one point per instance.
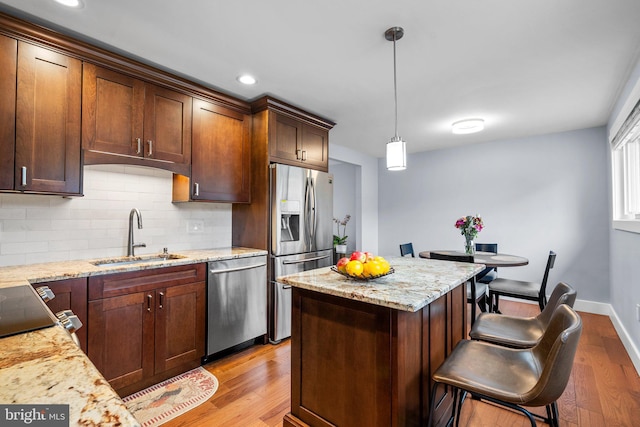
(70, 3)
(247, 79)
(467, 126)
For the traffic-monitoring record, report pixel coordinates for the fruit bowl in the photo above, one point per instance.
(362, 278)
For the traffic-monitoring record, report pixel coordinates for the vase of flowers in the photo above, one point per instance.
(469, 227)
(340, 239)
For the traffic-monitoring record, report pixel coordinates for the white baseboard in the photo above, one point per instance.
(606, 310)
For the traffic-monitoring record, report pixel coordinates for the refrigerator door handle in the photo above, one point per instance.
(301, 261)
(307, 210)
(312, 215)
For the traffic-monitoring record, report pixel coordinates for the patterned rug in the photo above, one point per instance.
(162, 402)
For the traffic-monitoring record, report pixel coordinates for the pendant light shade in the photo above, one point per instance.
(396, 148)
(396, 154)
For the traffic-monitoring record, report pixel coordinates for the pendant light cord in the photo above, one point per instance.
(395, 85)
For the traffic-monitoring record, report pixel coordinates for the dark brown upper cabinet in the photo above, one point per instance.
(127, 120)
(294, 142)
(8, 64)
(40, 124)
(220, 156)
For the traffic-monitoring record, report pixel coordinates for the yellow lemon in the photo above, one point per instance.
(366, 269)
(375, 268)
(355, 268)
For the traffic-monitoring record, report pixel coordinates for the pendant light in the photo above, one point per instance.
(396, 148)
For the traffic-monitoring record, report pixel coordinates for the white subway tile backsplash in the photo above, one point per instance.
(39, 228)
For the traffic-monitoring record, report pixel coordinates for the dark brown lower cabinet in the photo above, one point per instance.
(357, 364)
(147, 326)
(70, 294)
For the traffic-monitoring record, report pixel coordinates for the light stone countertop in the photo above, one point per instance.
(46, 367)
(60, 270)
(415, 283)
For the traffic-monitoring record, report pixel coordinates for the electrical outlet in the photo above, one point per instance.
(195, 226)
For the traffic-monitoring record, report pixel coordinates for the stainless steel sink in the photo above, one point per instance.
(135, 259)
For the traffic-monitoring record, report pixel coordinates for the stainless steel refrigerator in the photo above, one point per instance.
(301, 218)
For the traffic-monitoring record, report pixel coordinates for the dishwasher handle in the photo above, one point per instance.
(229, 270)
(301, 261)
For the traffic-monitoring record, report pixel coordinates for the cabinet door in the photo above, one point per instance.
(285, 138)
(180, 325)
(112, 112)
(221, 154)
(315, 147)
(167, 125)
(47, 121)
(8, 55)
(70, 294)
(121, 337)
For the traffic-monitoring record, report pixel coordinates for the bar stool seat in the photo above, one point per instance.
(520, 332)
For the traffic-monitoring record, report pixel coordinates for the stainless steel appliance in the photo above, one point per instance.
(23, 309)
(237, 302)
(301, 217)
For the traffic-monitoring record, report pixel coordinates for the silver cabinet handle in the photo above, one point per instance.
(298, 154)
(139, 151)
(304, 155)
(23, 176)
(196, 189)
(149, 298)
(150, 142)
(161, 300)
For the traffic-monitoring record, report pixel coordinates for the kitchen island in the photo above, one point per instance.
(362, 353)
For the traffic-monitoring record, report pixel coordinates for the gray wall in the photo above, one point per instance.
(535, 194)
(366, 197)
(625, 256)
(345, 179)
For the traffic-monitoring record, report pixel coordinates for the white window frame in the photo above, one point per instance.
(624, 137)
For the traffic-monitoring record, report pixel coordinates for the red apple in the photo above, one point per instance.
(369, 256)
(341, 265)
(358, 256)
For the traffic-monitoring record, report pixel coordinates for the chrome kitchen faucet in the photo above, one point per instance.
(131, 246)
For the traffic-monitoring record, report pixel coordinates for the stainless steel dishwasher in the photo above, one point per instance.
(237, 302)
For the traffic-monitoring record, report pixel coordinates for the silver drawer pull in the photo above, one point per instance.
(23, 176)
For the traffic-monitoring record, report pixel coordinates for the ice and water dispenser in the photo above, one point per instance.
(289, 220)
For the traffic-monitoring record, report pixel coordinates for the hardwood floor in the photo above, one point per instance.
(604, 388)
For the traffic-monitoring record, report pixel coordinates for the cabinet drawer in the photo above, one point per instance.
(117, 284)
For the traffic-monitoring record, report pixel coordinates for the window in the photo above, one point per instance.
(625, 156)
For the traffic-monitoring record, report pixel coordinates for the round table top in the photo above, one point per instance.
(490, 259)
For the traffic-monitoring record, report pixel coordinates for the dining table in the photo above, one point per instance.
(489, 259)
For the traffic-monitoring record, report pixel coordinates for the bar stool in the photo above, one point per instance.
(511, 377)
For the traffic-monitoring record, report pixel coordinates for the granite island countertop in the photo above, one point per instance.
(415, 283)
(46, 367)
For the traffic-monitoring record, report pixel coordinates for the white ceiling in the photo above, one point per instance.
(527, 66)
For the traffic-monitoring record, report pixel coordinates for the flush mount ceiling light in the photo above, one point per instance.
(247, 79)
(70, 3)
(396, 148)
(467, 126)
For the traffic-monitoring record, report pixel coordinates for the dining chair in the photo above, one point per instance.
(521, 332)
(531, 291)
(510, 377)
(490, 273)
(476, 292)
(407, 249)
